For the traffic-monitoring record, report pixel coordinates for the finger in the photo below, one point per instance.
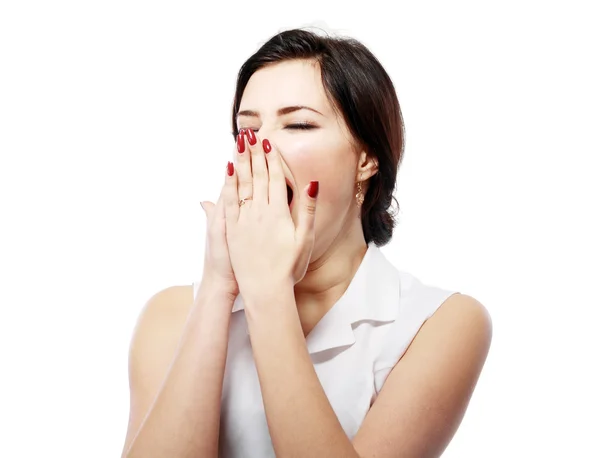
(243, 167)
(220, 224)
(218, 211)
(305, 232)
(277, 186)
(260, 174)
(230, 195)
(208, 208)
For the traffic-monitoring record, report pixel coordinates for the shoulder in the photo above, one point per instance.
(439, 306)
(460, 323)
(168, 303)
(155, 339)
(161, 321)
(429, 318)
(456, 340)
(461, 318)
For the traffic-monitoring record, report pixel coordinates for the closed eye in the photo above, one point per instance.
(301, 126)
(297, 126)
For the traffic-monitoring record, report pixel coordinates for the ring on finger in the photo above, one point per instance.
(243, 201)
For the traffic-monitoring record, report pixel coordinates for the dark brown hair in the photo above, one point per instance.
(360, 89)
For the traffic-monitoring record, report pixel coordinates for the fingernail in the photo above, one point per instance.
(229, 168)
(313, 189)
(266, 146)
(241, 144)
(202, 205)
(251, 137)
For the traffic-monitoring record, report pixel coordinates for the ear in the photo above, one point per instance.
(366, 167)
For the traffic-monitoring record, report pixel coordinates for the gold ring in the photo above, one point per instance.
(243, 201)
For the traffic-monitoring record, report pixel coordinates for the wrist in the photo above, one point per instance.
(215, 294)
(277, 294)
(218, 287)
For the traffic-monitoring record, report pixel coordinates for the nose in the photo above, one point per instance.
(264, 132)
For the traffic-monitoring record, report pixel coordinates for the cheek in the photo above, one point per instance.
(312, 158)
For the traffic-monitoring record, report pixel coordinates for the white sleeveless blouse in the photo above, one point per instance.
(353, 348)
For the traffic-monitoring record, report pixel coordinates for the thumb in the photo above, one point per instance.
(306, 217)
(208, 208)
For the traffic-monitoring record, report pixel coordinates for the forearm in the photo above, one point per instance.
(301, 421)
(184, 419)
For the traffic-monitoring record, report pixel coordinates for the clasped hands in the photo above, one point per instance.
(252, 243)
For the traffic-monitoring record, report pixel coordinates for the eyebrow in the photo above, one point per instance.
(280, 112)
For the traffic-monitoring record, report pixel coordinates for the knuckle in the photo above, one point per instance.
(311, 209)
(259, 172)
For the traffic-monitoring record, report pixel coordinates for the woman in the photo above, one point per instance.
(301, 338)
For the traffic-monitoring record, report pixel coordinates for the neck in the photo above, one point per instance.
(328, 276)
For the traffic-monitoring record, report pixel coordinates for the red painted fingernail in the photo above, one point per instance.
(251, 137)
(266, 146)
(229, 168)
(313, 189)
(241, 144)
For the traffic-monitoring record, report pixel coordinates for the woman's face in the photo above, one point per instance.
(314, 141)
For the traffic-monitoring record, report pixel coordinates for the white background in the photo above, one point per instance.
(114, 124)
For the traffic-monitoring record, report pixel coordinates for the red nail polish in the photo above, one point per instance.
(313, 189)
(251, 137)
(266, 146)
(241, 144)
(229, 168)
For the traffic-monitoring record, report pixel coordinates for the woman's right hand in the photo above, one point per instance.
(218, 272)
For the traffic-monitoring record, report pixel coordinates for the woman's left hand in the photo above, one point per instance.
(265, 247)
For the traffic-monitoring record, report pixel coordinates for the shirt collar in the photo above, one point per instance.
(372, 295)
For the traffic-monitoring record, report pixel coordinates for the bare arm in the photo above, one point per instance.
(301, 421)
(425, 397)
(176, 378)
(420, 405)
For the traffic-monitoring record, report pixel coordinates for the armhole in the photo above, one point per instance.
(423, 307)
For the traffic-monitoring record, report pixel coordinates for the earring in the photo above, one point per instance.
(360, 198)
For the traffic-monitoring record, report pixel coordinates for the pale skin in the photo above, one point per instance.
(291, 265)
